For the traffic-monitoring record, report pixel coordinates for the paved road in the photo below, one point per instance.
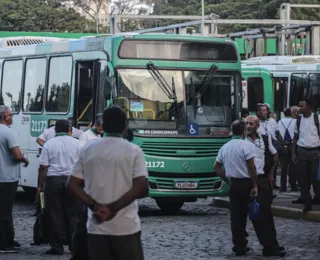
(199, 232)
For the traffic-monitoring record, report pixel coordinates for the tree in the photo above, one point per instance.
(40, 15)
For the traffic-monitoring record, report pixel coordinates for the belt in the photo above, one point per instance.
(240, 179)
(309, 148)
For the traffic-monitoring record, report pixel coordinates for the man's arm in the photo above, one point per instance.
(220, 172)
(252, 172)
(17, 155)
(40, 141)
(75, 185)
(139, 190)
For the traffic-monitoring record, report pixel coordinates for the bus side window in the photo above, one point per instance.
(59, 86)
(255, 92)
(280, 87)
(11, 84)
(34, 85)
(298, 89)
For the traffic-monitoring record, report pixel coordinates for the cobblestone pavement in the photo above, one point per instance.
(199, 232)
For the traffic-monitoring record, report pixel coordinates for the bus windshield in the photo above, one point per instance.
(216, 105)
(146, 104)
(149, 107)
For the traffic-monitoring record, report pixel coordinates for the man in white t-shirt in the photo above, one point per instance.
(93, 133)
(114, 176)
(57, 158)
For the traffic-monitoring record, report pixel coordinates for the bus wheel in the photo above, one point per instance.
(30, 192)
(170, 206)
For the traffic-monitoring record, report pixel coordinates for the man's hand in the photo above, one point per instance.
(26, 162)
(254, 192)
(294, 157)
(102, 213)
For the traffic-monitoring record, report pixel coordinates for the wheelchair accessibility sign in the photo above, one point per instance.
(193, 129)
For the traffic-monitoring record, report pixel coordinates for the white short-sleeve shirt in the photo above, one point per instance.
(49, 133)
(88, 136)
(60, 154)
(108, 167)
(268, 127)
(308, 133)
(259, 149)
(234, 155)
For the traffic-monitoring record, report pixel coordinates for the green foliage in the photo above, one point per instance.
(41, 15)
(237, 9)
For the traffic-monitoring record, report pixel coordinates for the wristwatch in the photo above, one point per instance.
(91, 205)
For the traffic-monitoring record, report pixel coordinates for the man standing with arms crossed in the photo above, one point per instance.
(114, 175)
(238, 159)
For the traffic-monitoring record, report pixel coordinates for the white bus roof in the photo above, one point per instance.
(27, 40)
(282, 60)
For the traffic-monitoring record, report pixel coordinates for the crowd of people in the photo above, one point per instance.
(258, 146)
(91, 180)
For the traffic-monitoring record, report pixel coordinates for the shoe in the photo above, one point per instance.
(8, 250)
(276, 187)
(307, 209)
(53, 251)
(283, 190)
(298, 201)
(15, 245)
(273, 252)
(247, 249)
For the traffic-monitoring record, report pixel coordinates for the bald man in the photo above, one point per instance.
(265, 160)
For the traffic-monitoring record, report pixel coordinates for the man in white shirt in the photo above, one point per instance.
(57, 158)
(266, 159)
(237, 156)
(49, 133)
(306, 154)
(286, 128)
(114, 176)
(93, 133)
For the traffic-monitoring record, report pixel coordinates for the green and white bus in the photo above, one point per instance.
(181, 94)
(281, 81)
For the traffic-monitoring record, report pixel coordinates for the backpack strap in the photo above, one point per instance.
(316, 122)
(286, 128)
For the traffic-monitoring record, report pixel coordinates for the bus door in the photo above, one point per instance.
(87, 75)
(280, 95)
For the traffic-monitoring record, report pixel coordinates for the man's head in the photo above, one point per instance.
(238, 128)
(63, 126)
(98, 126)
(6, 115)
(295, 111)
(268, 108)
(252, 123)
(114, 120)
(71, 122)
(262, 111)
(245, 112)
(305, 106)
(274, 116)
(287, 111)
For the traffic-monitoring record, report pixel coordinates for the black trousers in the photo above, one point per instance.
(308, 165)
(102, 247)
(8, 192)
(79, 239)
(61, 210)
(264, 226)
(239, 194)
(288, 170)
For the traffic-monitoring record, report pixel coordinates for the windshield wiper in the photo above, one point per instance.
(162, 83)
(205, 82)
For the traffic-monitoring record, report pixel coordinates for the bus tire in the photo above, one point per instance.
(170, 206)
(30, 192)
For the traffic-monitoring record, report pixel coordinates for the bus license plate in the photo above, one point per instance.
(186, 184)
